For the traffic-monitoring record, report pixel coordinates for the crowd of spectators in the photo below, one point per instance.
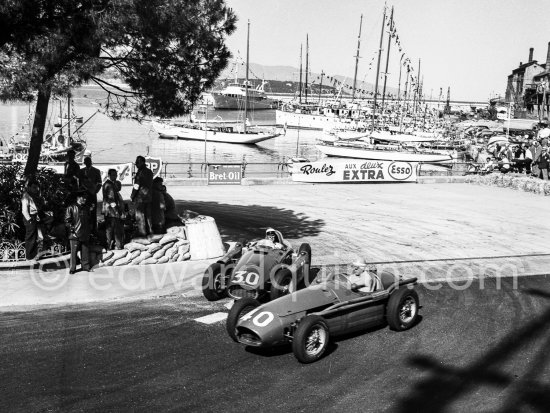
(531, 157)
(154, 210)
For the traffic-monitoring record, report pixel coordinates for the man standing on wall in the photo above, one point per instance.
(91, 180)
(142, 197)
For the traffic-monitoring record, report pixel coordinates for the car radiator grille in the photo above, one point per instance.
(247, 337)
(237, 292)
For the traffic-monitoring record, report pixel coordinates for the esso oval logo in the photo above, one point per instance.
(400, 170)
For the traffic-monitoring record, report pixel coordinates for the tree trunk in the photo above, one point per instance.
(38, 127)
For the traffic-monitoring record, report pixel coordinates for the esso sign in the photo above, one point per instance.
(400, 171)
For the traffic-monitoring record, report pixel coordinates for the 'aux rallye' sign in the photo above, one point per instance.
(354, 171)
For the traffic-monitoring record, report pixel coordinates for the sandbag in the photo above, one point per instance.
(134, 254)
(168, 238)
(154, 248)
(117, 254)
(132, 246)
(148, 261)
(106, 256)
(170, 252)
(178, 232)
(160, 253)
(163, 260)
(122, 261)
(182, 249)
(141, 257)
(155, 238)
(143, 241)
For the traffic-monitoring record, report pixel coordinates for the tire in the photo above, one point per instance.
(282, 284)
(311, 339)
(212, 286)
(239, 309)
(402, 309)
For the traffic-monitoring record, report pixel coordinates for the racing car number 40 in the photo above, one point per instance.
(261, 320)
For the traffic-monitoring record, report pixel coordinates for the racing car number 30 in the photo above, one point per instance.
(261, 319)
(250, 278)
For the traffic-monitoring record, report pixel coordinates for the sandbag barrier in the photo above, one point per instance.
(156, 249)
(518, 182)
(198, 239)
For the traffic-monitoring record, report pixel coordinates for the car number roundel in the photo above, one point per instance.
(244, 277)
(261, 319)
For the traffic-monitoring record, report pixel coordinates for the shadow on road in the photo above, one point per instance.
(236, 222)
(444, 384)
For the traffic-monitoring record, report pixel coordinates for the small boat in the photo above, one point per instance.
(363, 150)
(214, 132)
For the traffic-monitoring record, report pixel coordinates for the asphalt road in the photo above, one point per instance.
(474, 350)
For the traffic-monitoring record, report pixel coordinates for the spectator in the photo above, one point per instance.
(90, 177)
(77, 221)
(170, 215)
(113, 210)
(536, 151)
(518, 158)
(71, 172)
(30, 204)
(544, 163)
(528, 157)
(503, 163)
(142, 197)
(158, 206)
(489, 166)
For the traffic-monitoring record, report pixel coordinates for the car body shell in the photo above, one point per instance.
(343, 307)
(251, 269)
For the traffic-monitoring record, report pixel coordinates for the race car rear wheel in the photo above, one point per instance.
(311, 339)
(402, 309)
(239, 309)
(282, 284)
(213, 287)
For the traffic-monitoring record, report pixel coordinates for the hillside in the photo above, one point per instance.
(286, 79)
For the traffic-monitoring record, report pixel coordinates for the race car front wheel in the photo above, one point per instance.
(310, 339)
(213, 287)
(239, 309)
(402, 309)
(282, 284)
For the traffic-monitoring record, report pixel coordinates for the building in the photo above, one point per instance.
(522, 81)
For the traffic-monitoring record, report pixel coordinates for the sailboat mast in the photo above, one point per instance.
(321, 87)
(300, 88)
(417, 89)
(357, 59)
(246, 82)
(378, 68)
(307, 62)
(387, 62)
(69, 119)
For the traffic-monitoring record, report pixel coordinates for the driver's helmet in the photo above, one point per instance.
(272, 235)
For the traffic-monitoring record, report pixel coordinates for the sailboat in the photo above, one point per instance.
(55, 144)
(242, 133)
(333, 114)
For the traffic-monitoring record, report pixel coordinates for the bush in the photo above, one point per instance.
(12, 187)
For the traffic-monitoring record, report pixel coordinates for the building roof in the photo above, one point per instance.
(522, 67)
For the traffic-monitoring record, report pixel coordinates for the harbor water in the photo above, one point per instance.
(120, 141)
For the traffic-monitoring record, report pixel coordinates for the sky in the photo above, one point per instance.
(470, 46)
